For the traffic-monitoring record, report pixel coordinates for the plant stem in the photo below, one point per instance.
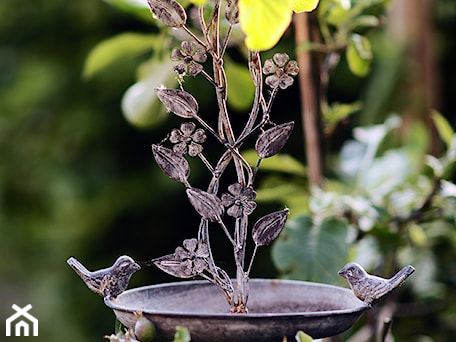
(309, 103)
(226, 136)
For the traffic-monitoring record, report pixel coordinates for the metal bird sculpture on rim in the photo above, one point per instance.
(370, 288)
(108, 282)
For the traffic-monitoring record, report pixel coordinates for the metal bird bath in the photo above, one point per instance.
(277, 308)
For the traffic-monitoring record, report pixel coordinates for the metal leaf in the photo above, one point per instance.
(178, 101)
(267, 228)
(227, 283)
(171, 265)
(270, 142)
(209, 206)
(174, 165)
(169, 12)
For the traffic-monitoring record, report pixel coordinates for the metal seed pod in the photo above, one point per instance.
(271, 141)
(267, 228)
(178, 101)
(209, 206)
(174, 165)
(169, 12)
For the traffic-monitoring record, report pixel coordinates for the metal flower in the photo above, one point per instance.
(239, 200)
(192, 256)
(189, 56)
(188, 139)
(280, 71)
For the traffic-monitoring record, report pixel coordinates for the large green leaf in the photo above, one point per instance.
(311, 251)
(264, 21)
(115, 49)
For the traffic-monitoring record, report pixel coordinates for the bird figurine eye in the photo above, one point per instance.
(124, 264)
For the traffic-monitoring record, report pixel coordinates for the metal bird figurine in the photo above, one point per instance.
(108, 282)
(370, 288)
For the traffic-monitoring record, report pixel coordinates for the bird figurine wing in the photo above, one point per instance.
(383, 288)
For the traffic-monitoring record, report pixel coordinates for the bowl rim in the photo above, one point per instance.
(358, 309)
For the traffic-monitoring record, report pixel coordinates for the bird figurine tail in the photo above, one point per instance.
(78, 268)
(402, 275)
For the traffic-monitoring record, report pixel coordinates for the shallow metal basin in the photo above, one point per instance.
(277, 308)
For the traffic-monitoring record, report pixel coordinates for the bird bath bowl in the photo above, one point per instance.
(277, 308)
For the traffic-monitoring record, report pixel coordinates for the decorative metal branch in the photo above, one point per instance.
(194, 257)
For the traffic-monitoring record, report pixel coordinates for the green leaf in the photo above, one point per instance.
(140, 104)
(356, 157)
(264, 21)
(380, 179)
(364, 21)
(182, 335)
(115, 49)
(310, 251)
(301, 336)
(337, 14)
(339, 111)
(443, 127)
(138, 8)
(359, 55)
(241, 89)
(292, 194)
(280, 162)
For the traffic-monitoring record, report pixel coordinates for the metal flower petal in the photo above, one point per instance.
(187, 128)
(199, 56)
(269, 67)
(292, 68)
(194, 149)
(190, 245)
(280, 59)
(194, 68)
(285, 82)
